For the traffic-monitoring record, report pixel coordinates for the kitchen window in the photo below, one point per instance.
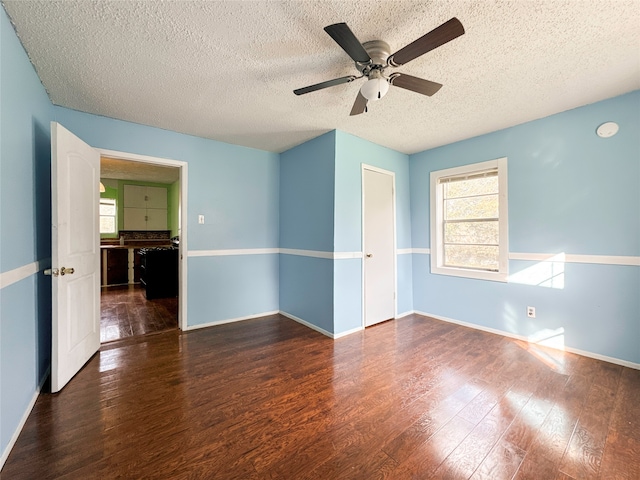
(469, 221)
(108, 215)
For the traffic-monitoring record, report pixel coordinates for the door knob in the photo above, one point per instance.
(54, 272)
(369, 255)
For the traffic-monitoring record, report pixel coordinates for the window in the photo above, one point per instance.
(108, 215)
(469, 230)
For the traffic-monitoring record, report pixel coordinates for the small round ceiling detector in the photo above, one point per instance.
(608, 129)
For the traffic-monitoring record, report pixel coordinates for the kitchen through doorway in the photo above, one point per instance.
(140, 219)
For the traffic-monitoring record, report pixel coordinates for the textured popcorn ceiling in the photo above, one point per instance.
(226, 69)
(125, 170)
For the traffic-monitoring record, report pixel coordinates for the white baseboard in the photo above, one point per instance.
(230, 320)
(348, 332)
(597, 356)
(23, 420)
(266, 314)
(321, 330)
(404, 314)
(307, 324)
(604, 358)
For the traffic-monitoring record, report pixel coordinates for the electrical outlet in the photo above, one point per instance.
(531, 312)
(201, 219)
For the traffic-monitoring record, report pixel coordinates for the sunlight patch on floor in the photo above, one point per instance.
(547, 345)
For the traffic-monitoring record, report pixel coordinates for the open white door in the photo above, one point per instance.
(379, 245)
(75, 256)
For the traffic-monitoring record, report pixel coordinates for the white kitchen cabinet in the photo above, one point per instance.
(156, 219)
(135, 196)
(135, 218)
(145, 208)
(156, 197)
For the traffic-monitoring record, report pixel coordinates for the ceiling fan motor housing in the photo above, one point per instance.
(379, 51)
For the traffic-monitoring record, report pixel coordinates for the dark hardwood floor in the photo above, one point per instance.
(413, 398)
(125, 312)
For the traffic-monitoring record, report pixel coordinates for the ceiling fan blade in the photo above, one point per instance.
(415, 84)
(344, 37)
(359, 106)
(435, 38)
(321, 85)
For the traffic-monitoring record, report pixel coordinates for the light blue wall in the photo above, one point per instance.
(351, 153)
(306, 289)
(235, 188)
(347, 294)
(321, 209)
(232, 286)
(307, 195)
(25, 230)
(306, 223)
(570, 192)
(25, 151)
(18, 351)
(405, 283)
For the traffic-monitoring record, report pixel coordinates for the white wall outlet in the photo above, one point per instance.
(201, 219)
(531, 312)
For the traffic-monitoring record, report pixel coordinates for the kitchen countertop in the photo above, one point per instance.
(136, 245)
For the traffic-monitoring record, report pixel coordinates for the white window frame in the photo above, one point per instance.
(437, 223)
(115, 216)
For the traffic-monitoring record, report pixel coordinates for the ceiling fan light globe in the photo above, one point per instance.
(375, 88)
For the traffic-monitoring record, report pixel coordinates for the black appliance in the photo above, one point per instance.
(159, 271)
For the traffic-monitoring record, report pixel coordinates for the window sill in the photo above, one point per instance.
(472, 274)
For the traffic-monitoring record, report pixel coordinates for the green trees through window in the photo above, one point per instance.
(471, 222)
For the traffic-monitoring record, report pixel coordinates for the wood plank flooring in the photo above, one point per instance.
(414, 398)
(125, 312)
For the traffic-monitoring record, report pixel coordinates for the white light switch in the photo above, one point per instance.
(201, 219)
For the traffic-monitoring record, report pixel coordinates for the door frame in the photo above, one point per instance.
(392, 174)
(182, 209)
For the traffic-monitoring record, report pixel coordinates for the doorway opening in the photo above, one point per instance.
(142, 276)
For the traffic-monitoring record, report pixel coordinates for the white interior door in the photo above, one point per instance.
(75, 259)
(379, 246)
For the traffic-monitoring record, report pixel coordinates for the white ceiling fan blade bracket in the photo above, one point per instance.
(393, 76)
(391, 63)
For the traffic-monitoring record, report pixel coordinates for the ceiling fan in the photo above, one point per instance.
(373, 58)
